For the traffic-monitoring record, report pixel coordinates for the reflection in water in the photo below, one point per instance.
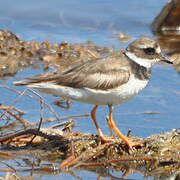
(167, 28)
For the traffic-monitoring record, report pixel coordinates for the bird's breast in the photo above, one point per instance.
(117, 95)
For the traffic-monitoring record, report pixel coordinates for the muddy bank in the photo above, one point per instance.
(16, 54)
(63, 149)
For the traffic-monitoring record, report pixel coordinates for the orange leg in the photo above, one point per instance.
(113, 126)
(100, 134)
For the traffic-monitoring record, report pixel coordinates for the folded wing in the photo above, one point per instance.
(95, 74)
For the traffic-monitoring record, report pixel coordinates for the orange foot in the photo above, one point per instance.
(103, 139)
(132, 145)
(126, 140)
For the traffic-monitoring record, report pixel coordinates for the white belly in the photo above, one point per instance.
(92, 96)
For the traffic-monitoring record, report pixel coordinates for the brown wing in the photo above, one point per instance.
(106, 73)
(103, 74)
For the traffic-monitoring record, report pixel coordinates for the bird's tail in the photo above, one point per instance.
(40, 78)
(23, 82)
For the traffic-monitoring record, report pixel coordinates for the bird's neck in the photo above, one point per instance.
(141, 61)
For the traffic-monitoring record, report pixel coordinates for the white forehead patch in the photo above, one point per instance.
(158, 50)
(143, 46)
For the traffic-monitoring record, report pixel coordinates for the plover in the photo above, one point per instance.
(104, 81)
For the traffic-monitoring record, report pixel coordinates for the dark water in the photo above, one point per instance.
(98, 21)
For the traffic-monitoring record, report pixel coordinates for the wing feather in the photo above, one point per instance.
(106, 73)
(96, 74)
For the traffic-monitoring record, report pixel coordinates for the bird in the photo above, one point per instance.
(109, 80)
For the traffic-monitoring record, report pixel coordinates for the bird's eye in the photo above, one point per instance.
(149, 51)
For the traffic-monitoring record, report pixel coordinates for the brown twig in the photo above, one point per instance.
(67, 125)
(41, 118)
(6, 109)
(91, 53)
(29, 131)
(10, 167)
(13, 108)
(6, 154)
(23, 93)
(84, 156)
(62, 118)
(8, 126)
(7, 169)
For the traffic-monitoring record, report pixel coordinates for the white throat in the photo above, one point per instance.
(141, 61)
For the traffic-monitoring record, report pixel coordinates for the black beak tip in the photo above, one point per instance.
(168, 61)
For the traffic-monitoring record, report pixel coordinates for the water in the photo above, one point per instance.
(98, 21)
